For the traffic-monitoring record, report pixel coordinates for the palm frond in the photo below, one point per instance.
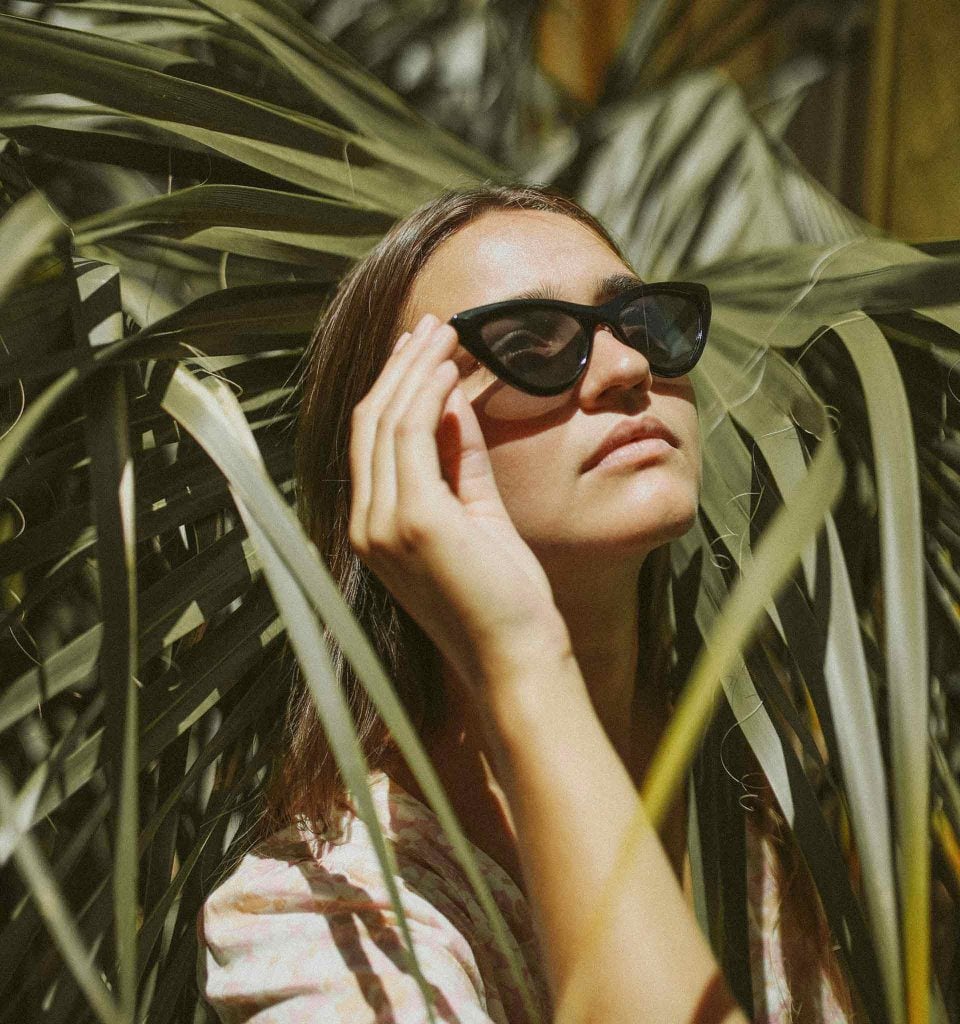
(183, 185)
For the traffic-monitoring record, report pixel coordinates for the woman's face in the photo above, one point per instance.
(635, 499)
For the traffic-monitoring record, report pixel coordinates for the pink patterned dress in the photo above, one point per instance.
(303, 931)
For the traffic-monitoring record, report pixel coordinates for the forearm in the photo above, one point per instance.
(572, 799)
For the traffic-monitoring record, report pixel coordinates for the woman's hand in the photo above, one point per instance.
(427, 517)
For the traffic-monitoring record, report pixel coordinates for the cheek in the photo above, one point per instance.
(678, 407)
(695, 448)
(692, 446)
(537, 475)
(505, 409)
(523, 438)
(531, 478)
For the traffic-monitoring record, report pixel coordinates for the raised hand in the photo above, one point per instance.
(427, 517)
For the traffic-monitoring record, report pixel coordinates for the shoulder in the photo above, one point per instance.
(306, 930)
(293, 888)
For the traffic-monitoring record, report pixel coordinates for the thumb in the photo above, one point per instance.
(464, 458)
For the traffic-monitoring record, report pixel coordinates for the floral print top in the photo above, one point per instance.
(303, 931)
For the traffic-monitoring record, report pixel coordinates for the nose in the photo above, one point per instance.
(616, 371)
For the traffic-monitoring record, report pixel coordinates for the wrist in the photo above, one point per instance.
(516, 664)
(524, 699)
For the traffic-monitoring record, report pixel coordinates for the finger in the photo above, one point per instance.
(399, 359)
(465, 457)
(430, 353)
(427, 353)
(364, 423)
(418, 463)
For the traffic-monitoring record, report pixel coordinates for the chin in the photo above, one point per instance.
(621, 539)
(641, 543)
(656, 502)
(665, 518)
(618, 523)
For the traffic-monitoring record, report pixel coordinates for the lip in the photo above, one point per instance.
(628, 431)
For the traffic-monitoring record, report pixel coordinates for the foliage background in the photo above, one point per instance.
(183, 184)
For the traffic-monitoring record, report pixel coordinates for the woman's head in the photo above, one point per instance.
(463, 249)
(543, 450)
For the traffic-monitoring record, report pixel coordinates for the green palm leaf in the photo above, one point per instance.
(217, 166)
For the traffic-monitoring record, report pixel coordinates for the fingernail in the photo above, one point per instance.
(399, 342)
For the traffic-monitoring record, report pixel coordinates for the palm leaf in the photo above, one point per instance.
(225, 162)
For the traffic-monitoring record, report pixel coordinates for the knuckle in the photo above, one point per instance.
(406, 428)
(358, 538)
(387, 538)
(389, 422)
(380, 539)
(413, 531)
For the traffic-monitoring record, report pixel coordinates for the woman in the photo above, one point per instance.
(502, 504)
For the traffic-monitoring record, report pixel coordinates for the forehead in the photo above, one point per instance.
(505, 252)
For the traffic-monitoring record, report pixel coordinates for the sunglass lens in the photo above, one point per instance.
(665, 328)
(543, 348)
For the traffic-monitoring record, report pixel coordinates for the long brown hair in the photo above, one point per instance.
(350, 345)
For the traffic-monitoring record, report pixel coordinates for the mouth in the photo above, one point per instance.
(646, 436)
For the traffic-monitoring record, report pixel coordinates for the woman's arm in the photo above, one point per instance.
(571, 800)
(428, 519)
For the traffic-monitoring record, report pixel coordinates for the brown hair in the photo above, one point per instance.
(350, 345)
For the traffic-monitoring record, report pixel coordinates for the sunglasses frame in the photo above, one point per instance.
(469, 322)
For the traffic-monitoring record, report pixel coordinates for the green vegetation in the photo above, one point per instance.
(182, 186)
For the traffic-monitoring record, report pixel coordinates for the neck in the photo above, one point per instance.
(602, 616)
(601, 607)
(601, 610)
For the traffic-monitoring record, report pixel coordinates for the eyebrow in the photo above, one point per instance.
(604, 288)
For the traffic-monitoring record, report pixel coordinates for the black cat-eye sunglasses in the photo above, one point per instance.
(542, 346)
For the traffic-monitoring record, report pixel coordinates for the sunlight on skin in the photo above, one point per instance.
(538, 445)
